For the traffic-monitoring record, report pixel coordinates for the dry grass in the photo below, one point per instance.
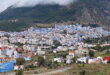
(91, 69)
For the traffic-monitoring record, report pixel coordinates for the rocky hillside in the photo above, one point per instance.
(82, 11)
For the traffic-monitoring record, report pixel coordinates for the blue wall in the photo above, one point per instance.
(6, 67)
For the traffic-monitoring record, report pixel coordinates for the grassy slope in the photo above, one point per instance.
(90, 69)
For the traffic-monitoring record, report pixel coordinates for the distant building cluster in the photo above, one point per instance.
(35, 41)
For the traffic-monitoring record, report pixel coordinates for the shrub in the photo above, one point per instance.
(30, 67)
(64, 32)
(82, 72)
(20, 61)
(108, 61)
(19, 72)
(56, 43)
(41, 61)
(91, 53)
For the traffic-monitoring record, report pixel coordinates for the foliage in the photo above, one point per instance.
(30, 67)
(103, 55)
(18, 44)
(20, 61)
(64, 32)
(49, 64)
(93, 25)
(41, 61)
(82, 72)
(90, 69)
(74, 59)
(16, 26)
(99, 48)
(101, 73)
(19, 72)
(35, 58)
(107, 52)
(97, 40)
(91, 53)
(56, 43)
(108, 61)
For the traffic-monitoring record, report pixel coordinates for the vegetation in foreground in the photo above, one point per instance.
(87, 69)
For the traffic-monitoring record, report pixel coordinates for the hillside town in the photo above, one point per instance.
(36, 42)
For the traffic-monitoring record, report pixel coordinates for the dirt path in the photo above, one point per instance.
(45, 73)
(9, 73)
(54, 72)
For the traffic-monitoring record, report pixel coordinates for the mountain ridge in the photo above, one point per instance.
(83, 11)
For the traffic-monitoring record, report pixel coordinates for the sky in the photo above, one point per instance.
(4, 4)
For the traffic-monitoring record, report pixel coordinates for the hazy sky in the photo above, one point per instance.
(4, 4)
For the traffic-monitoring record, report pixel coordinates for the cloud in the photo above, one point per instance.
(4, 4)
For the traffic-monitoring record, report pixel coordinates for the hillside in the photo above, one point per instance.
(82, 11)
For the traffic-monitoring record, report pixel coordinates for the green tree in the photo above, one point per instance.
(56, 43)
(41, 61)
(98, 47)
(49, 64)
(20, 61)
(55, 64)
(74, 59)
(107, 52)
(18, 44)
(91, 53)
(19, 72)
(64, 32)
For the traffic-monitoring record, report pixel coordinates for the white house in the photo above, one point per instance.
(58, 59)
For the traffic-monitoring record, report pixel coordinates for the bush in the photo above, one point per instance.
(41, 61)
(36, 72)
(55, 64)
(82, 72)
(91, 53)
(49, 64)
(30, 67)
(108, 62)
(56, 43)
(107, 52)
(20, 61)
(74, 59)
(64, 32)
(19, 72)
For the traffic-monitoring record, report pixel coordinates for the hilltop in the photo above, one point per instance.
(83, 11)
